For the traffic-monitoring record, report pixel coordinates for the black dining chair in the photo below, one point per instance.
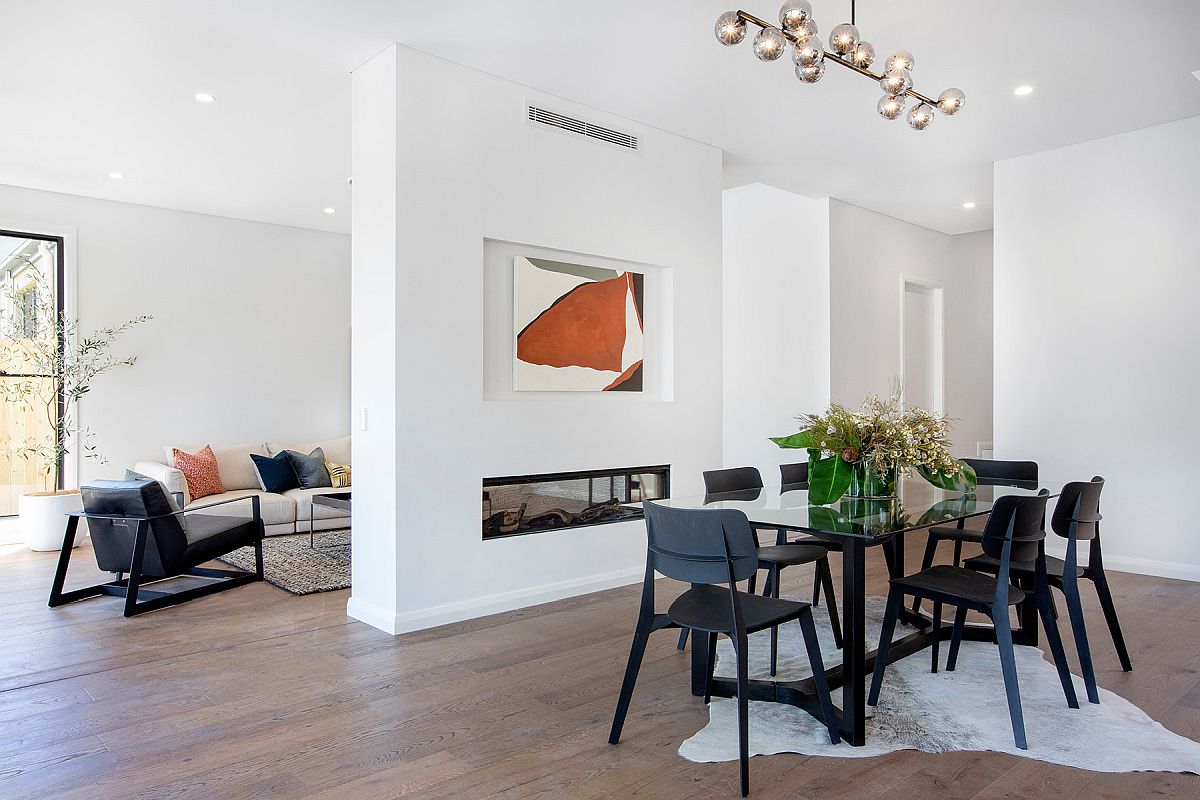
(989, 472)
(793, 476)
(1013, 533)
(1076, 518)
(747, 481)
(713, 549)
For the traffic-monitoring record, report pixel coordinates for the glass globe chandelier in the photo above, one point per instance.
(845, 47)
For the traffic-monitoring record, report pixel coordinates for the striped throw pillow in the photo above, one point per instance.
(200, 471)
(339, 474)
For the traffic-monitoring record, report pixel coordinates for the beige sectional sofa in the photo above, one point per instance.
(282, 513)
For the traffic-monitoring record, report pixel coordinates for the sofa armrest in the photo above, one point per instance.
(169, 476)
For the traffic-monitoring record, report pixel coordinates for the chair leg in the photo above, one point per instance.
(770, 588)
(820, 683)
(743, 697)
(895, 600)
(960, 624)
(135, 567)
(774, 578)
(683, 637)
(751, 583)
(64, 561)
(710, 665)
(636, 651)
(826, 578)
(957, 552)
(816, 598)
(1050, 625)
(1008, 665)
(926, 562)
(936, 631)
(1110, 616)
(1079, 628)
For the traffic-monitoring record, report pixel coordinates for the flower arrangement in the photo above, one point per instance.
(863, 452)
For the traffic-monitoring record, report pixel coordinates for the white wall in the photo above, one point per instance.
(775, 321)
(467, 168)
(870, 255)
(1096, 331)
(250, 339)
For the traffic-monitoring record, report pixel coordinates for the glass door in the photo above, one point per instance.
(31, 338)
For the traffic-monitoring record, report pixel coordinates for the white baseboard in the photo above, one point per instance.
(471, 608)
(1139, 566)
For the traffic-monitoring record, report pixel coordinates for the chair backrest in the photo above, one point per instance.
(793, 476)
(1020, 516)
(1079, 503)
(1004, 473)
(698, 545)
(737, 479)
(113, 540)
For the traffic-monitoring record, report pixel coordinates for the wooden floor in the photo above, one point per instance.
(256, 693)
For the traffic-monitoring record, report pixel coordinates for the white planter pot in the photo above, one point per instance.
(44, 519)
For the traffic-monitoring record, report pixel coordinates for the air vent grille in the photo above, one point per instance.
(543, 116)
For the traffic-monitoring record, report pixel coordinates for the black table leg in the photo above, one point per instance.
(854, 655)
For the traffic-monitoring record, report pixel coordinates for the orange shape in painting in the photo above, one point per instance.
(584, 328)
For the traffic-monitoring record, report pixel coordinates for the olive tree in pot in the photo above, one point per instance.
(46, 367)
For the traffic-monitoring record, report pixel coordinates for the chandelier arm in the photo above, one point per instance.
(746, 17)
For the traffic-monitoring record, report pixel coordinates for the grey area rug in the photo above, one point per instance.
(289, 563)
(960, 710)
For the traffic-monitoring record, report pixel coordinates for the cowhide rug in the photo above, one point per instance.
(960, 710)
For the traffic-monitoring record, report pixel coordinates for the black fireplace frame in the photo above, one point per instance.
(582, 474)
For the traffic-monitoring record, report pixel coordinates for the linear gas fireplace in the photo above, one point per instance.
(518, 504)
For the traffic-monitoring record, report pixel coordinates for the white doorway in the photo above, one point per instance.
(922, 345)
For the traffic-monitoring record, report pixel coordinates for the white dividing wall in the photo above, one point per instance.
(1096, 331)
(466, 169)
(775, 321)
(870, 257)
(251, 336)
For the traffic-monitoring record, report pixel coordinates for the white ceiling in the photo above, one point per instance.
(90, 87)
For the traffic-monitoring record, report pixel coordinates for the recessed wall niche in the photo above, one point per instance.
(499, 322)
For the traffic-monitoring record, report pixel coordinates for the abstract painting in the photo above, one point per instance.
(578, 328)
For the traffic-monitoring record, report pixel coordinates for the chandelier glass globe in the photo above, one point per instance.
(729, 29)
(896, 81)
(843, 38)
(809, 52)
(794, 13)
(951, 101)
(863, 55)
(891, 106)
(769, 44)
(811, 73)
(921, 117)
(901, 59)
(806, 29)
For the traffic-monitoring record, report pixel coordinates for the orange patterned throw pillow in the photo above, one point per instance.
(200, 472)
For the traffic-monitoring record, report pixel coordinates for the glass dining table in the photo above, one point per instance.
(857, 524)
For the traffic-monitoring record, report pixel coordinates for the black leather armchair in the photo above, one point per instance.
(136, 531)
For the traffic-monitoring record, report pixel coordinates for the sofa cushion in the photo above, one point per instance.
(201, 472)
(233, 461)
(277, 509)
(303, 499)
(310, 469)
(275, 473)
(339, 475)
(336, 450)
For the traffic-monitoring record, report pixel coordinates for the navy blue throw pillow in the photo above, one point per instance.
(274, 474)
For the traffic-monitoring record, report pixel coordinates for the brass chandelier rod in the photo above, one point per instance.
(831, 56)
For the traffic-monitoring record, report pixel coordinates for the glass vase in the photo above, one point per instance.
(867, 482)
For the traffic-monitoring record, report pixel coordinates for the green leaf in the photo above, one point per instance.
(828, 480)
(804, 440)
(962, 481)
(821, 518)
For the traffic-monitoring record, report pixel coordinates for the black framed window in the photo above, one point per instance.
(33, 275)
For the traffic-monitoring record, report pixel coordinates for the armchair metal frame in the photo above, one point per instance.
(138, 599)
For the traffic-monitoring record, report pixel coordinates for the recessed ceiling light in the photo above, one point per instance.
(204, 97)
(116, 176)
(969, 204)
(1021, 91)
(330, 210)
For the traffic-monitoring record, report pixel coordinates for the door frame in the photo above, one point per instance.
(938, 290)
